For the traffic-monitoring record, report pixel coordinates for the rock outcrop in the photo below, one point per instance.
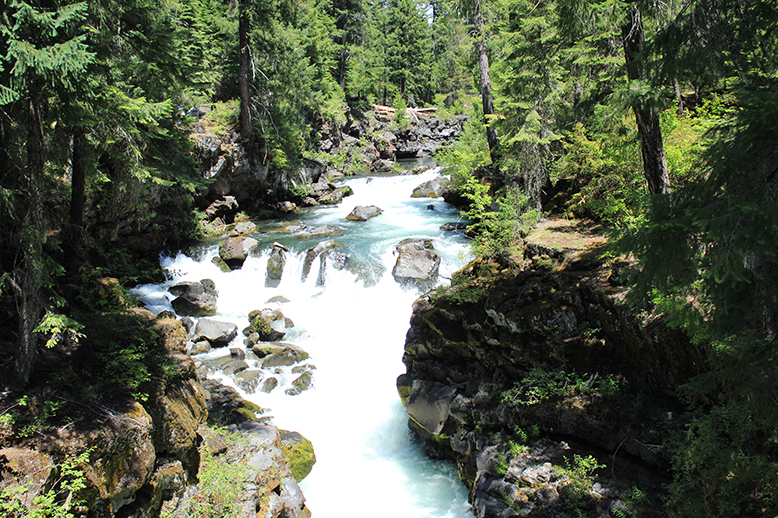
(533, 361)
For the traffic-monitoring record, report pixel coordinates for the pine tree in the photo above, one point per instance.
(45, 50)
(408, 51)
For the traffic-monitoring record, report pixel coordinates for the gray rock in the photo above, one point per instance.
(275, 264)
(216, 332)
(268, 385)
(249, 380)
(225, 207)
(336, 196)
(432, 189)
(197, 299)
(301, 384)
(235, 250)
(242, 228)
(429, 404)
(416, 262)
(363, 213)
(322, 230)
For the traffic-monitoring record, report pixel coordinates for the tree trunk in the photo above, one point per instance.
(651, 144)
(246, 125)
(73, 232)
(344, 55)
(486, 80)
(32, 240)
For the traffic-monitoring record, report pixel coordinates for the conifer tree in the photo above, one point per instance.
(45, 50)
(408, 52)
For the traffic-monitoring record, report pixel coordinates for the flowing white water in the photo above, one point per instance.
(354, 329)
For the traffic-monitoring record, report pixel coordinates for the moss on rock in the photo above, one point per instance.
(299, 453)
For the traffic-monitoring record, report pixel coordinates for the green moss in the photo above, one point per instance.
(298, 452)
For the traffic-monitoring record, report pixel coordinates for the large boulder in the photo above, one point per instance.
(235, 250)
(177, 407)
(416, 262)
(216, 332)
(431, 189)
(197, 299)
(363, 213)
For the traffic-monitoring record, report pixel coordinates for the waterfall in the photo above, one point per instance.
(353, 326)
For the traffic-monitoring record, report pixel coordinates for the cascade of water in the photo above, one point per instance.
(354, 329)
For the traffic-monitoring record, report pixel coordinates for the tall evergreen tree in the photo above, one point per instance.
(408, 52)
(45, 51)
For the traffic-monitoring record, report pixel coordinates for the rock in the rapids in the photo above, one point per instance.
(300, 384)
(249, 380)
(416, 262)
(269, 325)
(218, 261)
(320, 250)
(197, 299)
(243, 228)
(431, 189)
(336, 196)
(277, 354)
(275, 265)
(453, 226)
(235, 250)
(216, 332)
(363, 213)
(321, 230)
(268, 385)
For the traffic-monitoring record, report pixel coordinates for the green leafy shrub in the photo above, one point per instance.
(60, 501)
(221, 484)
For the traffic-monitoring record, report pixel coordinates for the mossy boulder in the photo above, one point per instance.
(302, 383)
(298, 452)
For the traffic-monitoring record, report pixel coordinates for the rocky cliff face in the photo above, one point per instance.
(524, 364)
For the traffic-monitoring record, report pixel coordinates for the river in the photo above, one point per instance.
(353, 326)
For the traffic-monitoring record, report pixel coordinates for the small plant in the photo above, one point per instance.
(221, 484)
(631, 499)
(301, 191)
(580, 471)
(57, 502)
(502, 464)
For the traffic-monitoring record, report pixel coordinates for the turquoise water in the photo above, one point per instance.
(354, 329)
